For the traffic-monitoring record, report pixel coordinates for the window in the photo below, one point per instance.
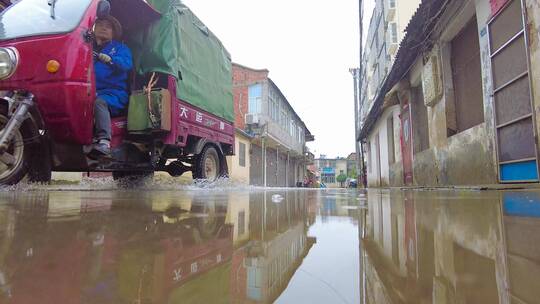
(300, 135)
(376, 41)
(255, 98)
(242, 154)
(375, 80)
(328, 178)
(393, 33)
(274, 106)
(392, 3)
(467, 76)
(33, 17)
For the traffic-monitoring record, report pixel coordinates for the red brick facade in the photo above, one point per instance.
(243, 77)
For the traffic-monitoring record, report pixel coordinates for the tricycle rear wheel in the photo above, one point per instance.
(208, 165)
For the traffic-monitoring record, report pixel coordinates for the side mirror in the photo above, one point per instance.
(103, 9)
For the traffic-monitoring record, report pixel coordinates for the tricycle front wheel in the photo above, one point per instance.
(15, 161)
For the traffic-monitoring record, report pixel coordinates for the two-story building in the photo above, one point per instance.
(278, 156)
(328, 169)
(386, 30)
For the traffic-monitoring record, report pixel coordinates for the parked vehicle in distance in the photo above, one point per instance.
(181, 105)
(352, 183)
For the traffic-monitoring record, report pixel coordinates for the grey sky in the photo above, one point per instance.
(308, 46)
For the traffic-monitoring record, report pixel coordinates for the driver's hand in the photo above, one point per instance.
(104, 58)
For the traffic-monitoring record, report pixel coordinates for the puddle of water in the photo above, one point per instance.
(231, 244)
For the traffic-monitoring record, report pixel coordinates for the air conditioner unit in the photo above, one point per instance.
(252, 119)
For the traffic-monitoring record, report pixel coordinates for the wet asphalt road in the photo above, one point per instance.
(244, 245)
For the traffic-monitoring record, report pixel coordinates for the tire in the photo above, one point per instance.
(14, 173)
(208, 165)
(129, 179)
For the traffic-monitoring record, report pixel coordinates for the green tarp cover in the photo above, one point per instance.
(179, 44)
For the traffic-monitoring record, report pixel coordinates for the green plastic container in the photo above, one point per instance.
(145, 118)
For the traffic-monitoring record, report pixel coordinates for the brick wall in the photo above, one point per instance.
(243, 77)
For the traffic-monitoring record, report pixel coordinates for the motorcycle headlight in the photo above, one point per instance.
(9, 59)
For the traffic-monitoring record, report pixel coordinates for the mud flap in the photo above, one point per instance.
(41, 162)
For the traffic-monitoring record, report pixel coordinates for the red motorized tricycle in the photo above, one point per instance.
(180, 111)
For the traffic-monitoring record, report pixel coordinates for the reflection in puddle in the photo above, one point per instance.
(454, 247)
(154, 247)
(247, 246)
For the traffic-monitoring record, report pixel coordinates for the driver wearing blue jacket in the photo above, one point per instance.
(112, 64)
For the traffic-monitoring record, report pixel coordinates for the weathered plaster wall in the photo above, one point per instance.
(425, 168)
(381, 129)
(236, 172)
(396, 174)
(468, 157)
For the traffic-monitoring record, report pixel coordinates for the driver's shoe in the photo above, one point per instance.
(100, 149)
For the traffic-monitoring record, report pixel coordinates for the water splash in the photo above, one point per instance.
(158, 183)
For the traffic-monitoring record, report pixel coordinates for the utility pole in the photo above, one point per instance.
(356, 73)
(358, 79)
(359, 145)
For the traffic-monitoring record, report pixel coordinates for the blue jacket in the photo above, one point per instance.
(111, 78)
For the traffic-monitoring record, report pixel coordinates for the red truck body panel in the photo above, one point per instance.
(189, 120)
(65, 99)
(186, 120)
